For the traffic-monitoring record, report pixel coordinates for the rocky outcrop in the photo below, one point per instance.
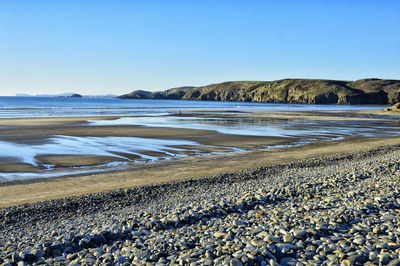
(394, 108)
(307, 91)
(139, 94)
(76, 95)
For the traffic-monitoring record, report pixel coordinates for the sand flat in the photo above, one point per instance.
(209, 141)
(206, 137)
(44, 121)
(40, 190)
(357, 115)
(175, 169)
(75, 160)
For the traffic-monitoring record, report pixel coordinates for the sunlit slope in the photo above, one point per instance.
(309, 91)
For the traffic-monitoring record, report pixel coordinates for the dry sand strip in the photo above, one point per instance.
(356, 115)
(45, 121)
(191, 167)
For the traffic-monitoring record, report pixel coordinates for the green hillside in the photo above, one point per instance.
(308, 91)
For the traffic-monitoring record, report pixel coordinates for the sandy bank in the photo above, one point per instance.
(207, 140)
(358, 115)
(190, 167)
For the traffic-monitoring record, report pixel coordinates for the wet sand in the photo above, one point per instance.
(359, 115)
(76, 161)
(45, 121)
(163, 171)
(42, 134)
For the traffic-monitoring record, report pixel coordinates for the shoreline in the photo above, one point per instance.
(344, 205)
(139, 174)
(67, 120)
(319, 156)
(166, 171)
(185, 142)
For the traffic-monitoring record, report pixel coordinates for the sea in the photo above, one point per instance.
(90, 106)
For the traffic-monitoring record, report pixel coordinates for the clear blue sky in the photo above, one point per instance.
(99, 47)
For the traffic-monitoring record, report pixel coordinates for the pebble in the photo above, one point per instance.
(288, 261)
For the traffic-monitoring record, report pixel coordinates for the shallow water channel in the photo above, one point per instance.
(147, 150)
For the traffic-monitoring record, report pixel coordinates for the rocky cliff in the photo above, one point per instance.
(309, 91)
(394, 108)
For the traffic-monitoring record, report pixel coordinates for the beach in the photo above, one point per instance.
(214, 152)
(199, 133)
(318, 202)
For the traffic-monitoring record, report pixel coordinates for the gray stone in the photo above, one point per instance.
(142, 255)
(299, 233)
(219, 235)
(288, 261)
(235, 262)
(27, 256)
(37, 252)
(394, 262)
(287, 238)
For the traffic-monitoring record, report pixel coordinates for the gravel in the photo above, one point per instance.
(334, 210)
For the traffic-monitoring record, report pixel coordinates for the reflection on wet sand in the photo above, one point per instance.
(96, 154)
(60, 150)
(43, 148)
(265, 126)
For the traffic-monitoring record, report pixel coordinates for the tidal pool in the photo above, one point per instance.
(98, 146)
(121, 150)
(125, 152)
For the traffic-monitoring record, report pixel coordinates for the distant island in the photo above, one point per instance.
(303, 91)
(75, 95)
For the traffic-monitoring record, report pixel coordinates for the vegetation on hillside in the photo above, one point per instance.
(309, 91)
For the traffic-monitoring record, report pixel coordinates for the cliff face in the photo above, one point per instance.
(308, 91)
(394, 108)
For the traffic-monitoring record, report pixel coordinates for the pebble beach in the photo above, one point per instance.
(191, 133)
(341, 209)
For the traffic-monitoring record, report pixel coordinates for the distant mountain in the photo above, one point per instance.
(70, 94)
(67, 94)
(307, 91)
(101, 96)
(175, 93)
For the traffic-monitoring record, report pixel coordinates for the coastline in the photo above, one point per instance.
(254, 206)
(35, 131)
(165, 171)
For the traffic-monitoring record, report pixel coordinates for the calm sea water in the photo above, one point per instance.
(85, 106)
